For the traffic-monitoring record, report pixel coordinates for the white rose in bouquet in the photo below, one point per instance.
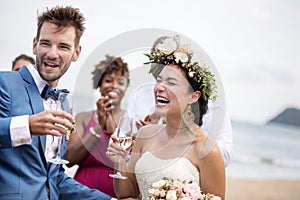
(171, 195)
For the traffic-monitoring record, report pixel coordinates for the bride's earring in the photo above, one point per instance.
(188, 115)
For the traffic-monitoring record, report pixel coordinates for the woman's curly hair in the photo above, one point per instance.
(108, 66)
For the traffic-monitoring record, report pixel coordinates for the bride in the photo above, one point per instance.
(178, 149)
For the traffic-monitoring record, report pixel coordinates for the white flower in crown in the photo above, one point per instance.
(168, 46)
(186, 48)
(191, 74)
(180, 56)
(198, 58)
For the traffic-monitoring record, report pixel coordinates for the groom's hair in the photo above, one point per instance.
(63, 17)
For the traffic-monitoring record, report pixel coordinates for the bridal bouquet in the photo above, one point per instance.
(178, 190)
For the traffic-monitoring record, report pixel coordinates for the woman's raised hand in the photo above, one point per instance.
(105, 116)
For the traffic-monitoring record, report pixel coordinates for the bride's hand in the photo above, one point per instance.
(149, 119)
(115, 152)
(141, 123)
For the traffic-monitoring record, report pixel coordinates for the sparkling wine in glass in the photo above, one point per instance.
(64, 102)
(124, 133)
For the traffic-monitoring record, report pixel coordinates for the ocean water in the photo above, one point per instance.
(265, 151)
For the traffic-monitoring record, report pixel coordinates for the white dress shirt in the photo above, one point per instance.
(19, 126)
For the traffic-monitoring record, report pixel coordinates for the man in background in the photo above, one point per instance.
(20, 61)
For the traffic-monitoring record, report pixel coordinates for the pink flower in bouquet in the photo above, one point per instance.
(170, 189)
(178, 185)
(192, 190)
(162, 193)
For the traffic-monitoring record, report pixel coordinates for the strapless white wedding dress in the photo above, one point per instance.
(150, 169)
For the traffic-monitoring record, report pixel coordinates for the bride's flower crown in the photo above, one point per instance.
(169, 51)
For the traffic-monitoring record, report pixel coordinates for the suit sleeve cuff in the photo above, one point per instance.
(19, 130)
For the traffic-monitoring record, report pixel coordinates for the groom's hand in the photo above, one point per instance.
(115, 152)
(50, 122)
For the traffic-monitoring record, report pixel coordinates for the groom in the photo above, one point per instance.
(28, 126)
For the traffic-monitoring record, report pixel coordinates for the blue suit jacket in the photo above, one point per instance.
(23, 170)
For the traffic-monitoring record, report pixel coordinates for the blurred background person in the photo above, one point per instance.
(20, 61)
(87, 148)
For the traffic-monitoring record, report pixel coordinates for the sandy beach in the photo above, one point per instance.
(246, 189)
(253, 189)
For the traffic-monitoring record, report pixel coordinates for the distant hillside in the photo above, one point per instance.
(290, 116)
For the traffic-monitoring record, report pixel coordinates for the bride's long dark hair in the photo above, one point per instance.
(200, 107)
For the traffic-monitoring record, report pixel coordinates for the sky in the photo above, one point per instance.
(254, 44)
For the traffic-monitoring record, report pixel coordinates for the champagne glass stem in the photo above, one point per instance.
(59, 147)
(118, 173)
(120, 169)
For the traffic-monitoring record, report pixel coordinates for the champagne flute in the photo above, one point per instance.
(124, 133)
(64, 103)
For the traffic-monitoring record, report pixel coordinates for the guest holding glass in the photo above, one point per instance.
(178, 149)
(88, 148)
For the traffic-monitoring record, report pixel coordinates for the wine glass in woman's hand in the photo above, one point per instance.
(124, 133)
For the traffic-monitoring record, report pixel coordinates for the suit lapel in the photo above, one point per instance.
(36, 104)
(32, 91)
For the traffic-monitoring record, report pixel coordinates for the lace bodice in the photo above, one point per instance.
(150, 169)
